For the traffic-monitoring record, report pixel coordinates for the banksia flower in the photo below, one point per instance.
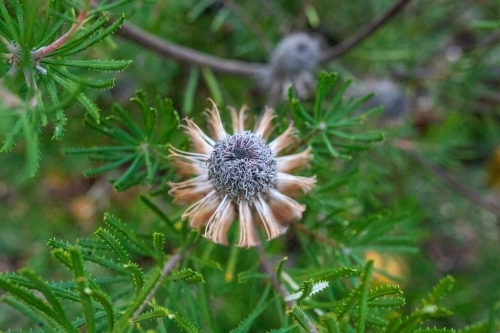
(239, 176)
(291, 64)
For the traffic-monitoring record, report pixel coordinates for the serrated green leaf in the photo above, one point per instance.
(103, 65)
(49, 324)
(137, 275)
(97, 37)
(114, 244)
(158, 245)
(185, 274)
(106, 304)
(95, 84)
(364, 293)
(117, 225)
(153, 314)
(299, 316)
(83, 287)
(51, 298)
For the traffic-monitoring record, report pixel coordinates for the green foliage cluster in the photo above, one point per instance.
(317, 278)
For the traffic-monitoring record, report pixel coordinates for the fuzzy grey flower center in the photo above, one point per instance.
(241, 166)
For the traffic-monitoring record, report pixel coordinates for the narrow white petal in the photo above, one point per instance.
(190, 190)
(238, 119)
(293, 185)
(289, 163)
(264, 127)
(215, 122)
(201, 142)
(272, 227)
(248, 236)
(283, 141)
(219, 223)
(198, 213)
(284, 208)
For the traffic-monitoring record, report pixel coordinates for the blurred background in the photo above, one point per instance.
(434, 67)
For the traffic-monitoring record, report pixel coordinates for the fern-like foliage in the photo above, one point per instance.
(38, 40)
(101, 309)
(142, 149)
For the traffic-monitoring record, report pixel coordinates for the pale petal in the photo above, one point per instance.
(285, 209)
(293, 185)
(283, 141)
(187, 155)
(202, 143)
(273, 228)
(220, 222)
(238, 119)
(248, 236)
(215, 122)
(189, 168)
(198, 213)
(190, 190)
(290, 163)
(264, 127)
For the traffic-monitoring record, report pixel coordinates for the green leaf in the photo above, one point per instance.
(212, 85)
(51, 298)
(107, 167)
(95, 84)
(99, 36)
(325, 83)
(364, 291)
(113, 244)
(189, 92)
(299, 316)
(168, 222)
(102, 65)
(48, 323)
(185, 274)
(261, 306)
(330, 322)
(440, 290)
(84, 289)
(137, 275)
(106, 304)
(153, 314)
(117, 225)
(158, 245)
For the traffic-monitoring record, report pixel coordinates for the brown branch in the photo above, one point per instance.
(45, 50)
(237, 67)
(365, 31)
(185, 54)
(268, 268)
(450, 180)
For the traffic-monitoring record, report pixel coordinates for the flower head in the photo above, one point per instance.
(239, 175)
(291, 64)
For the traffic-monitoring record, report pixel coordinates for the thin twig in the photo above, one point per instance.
(45, 50)
(450, 180)
(167, 268)
(237, 67)
(185, 54)
(365, 31)
(268, 268)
